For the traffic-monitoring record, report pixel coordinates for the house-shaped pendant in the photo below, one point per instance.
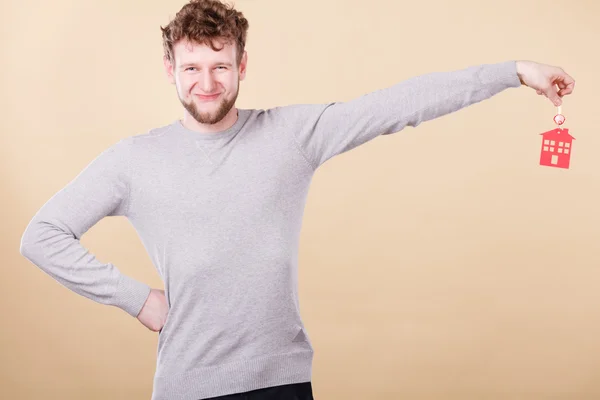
(557, 147)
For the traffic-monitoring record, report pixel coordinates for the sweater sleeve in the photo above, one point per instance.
(325, 130)
(51, 240)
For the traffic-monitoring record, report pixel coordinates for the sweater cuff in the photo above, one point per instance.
(500, 76)
(130, 295)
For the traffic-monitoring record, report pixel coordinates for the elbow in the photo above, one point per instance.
(41, 240)
(31, 240)
(27, 245)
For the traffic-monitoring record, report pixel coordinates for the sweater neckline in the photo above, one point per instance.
(242, 117)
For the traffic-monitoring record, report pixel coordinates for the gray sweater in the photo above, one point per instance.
(220, 216)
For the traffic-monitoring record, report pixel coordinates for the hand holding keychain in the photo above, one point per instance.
(554, 83)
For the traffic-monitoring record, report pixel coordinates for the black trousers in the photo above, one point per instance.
(296, 391)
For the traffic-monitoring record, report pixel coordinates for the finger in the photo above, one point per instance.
(561, 86)
(565, 82)
(552, 94)
(569, 88)
(566, 90)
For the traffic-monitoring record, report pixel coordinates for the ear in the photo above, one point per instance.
(243, 65)
(169, 69)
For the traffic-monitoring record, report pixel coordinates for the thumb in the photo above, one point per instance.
(552, 94)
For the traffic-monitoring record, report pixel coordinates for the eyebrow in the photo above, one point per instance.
(193, 64)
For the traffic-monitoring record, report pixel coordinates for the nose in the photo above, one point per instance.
(207, 83)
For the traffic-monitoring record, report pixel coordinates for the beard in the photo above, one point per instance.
(224, 106)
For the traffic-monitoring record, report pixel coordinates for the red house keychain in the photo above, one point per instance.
(557, 145)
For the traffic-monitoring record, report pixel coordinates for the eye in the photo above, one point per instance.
(189, 68)
(222, 67)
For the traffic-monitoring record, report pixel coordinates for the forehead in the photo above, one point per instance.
(189, 51)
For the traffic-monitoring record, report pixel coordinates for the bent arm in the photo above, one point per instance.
(51, 240)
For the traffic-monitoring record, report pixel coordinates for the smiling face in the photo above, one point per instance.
(207, 81)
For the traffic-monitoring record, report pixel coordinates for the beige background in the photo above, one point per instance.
(438, 263)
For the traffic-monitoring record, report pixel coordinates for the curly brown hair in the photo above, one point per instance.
(205, 22)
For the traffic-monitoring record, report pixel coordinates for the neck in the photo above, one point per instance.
(227, 122)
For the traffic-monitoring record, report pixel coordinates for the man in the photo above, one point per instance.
(217, 199)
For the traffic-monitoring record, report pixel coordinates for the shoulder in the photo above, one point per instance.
(149, 138)
(291, 115)
(151, 134)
